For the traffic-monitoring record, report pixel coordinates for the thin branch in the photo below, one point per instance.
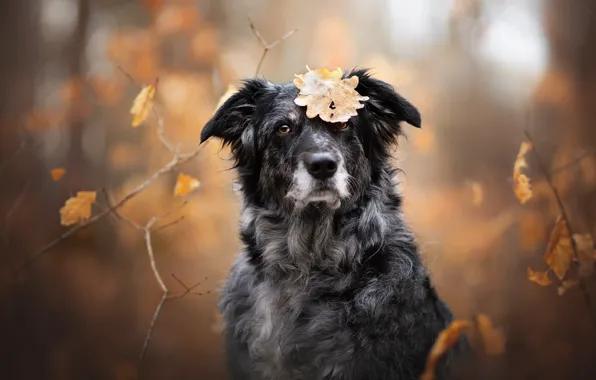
(174, 222)
(109, 203)
(573, 162)
(565, 217)
(266, 46)
(164, 170)
(156, 314)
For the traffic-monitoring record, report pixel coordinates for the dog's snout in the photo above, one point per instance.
(320, 165)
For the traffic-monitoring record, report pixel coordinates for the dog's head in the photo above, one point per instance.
(286, 159)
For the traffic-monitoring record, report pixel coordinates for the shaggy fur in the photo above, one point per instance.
(329, 284)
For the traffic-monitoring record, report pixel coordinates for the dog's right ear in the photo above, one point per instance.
(233, 116)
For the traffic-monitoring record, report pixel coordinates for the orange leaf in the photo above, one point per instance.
(492, 338)
(541, 278)
(142, 105)
(57, 173)
(521, 183)
(559, 251)
(185, 184)
(446, 339)
(77, 209)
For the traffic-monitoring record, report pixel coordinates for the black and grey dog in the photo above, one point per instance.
(329, 284)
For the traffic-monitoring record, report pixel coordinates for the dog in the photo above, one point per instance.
(329, 284)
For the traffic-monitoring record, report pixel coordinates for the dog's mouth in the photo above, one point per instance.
(328, 197)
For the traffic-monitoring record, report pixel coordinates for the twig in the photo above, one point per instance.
(177, 161)
(572, 162)
(564, 215)
(267, 46)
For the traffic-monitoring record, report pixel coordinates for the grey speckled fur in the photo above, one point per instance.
(329, 288)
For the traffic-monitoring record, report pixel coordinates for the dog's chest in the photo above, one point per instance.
(290, 334)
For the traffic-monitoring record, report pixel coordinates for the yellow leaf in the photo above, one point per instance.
(521, 183)
(57, 173)
(565, 286)
(231, 90)
(77, 209)
(541, 278)
(185, 184)
(492, 338)
(585, 252)
(559, 251)
(326, 95)
(446, 339)
(142, 105)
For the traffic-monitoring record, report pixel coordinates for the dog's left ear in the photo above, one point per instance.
(384, 102)
(232, 117)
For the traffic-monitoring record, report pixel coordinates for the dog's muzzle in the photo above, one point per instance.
(321, 166)
(319, 177)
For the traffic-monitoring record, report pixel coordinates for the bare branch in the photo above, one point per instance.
(565, 217)
(156, 314)
(109, 203)
(164, 170)
(266, 46)
(572, 162)
(174, 222)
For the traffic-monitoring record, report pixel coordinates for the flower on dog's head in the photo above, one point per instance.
(325, 94)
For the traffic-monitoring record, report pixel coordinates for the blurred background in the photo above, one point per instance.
(475, 68)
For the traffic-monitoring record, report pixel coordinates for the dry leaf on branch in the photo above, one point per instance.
(521, 183)
(77, 209)
(492, 338)
(57, 173)
(559, 251)
(142, 104)
(446, 339)
(325, 94)
(541, 278)
(185, 184)
(566, 285)
(585, 252)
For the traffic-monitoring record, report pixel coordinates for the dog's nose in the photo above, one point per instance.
(320, 165)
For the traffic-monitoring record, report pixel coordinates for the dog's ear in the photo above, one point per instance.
(232, 117)
(385, 103)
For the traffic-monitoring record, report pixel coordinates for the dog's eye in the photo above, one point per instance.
(283, 130)
(341, 126)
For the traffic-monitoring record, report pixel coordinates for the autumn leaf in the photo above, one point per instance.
(559, 251)
(185, 184)
(57, 173)
(585, 252)
(566, 285)
(446, 339)
(541, 278)
(521, 183)
(142, 105)
(231, 90)
(325, 94)
(77, 209)
(492, 338)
